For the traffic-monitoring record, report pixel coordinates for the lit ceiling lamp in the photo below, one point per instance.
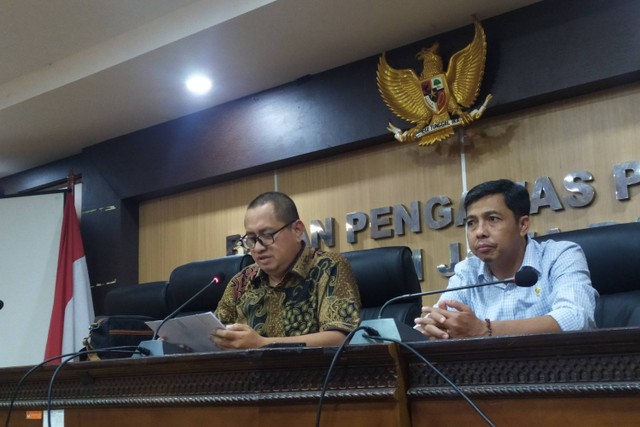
(199, 84)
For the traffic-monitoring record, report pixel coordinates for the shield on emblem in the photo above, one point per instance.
(435, 94)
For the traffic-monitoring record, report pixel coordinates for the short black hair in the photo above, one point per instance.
(516, 197)
(284, 207)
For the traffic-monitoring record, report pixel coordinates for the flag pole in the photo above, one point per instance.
(72, 311)
(71, 181)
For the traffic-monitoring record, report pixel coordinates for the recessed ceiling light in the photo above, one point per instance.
(199, 84)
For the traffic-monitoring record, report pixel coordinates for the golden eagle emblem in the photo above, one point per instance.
(431, 99)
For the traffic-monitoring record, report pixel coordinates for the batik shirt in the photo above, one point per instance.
(318, 293)
(563, 290)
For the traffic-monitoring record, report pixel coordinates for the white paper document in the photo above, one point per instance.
(192, 331)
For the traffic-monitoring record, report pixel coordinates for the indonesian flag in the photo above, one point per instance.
(72, 304)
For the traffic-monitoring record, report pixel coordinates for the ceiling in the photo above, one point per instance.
(75, 73)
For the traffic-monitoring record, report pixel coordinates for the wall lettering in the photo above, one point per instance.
(437, 212)
(625, 175)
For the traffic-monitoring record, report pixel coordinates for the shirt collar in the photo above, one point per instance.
(532, 256)
(299, 266)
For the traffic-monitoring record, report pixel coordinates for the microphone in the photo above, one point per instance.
(525, 278)
(158, 347)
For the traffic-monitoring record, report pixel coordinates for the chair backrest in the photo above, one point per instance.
(188, 279)
(144, 299)
(382, 274)
(613, 256)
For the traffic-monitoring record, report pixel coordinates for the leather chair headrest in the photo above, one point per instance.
(145, 299)
(612, 252)
(186, 280)
(383, 273)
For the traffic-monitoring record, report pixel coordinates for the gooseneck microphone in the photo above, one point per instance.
(393, 328)
(525, 277)
(218, 278)
(158, 347)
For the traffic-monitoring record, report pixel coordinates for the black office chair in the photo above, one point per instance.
(188, 279)
(144, 299)
(384, 273)
(613, 256)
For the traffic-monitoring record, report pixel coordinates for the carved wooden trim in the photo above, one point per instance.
(221, 379)
(580, 364)
(566, 364)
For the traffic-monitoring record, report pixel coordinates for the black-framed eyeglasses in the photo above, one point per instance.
(265, 239)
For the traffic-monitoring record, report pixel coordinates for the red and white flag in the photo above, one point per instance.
(72, 304)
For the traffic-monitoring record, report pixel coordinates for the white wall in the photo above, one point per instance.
(29, 242)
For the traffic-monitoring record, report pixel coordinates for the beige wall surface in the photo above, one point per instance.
(590, 133)
(192, 226)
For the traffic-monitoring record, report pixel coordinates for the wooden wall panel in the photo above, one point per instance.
(589, 133)
(344, 414)
(191, 226)
(386, 175)
(530, 412)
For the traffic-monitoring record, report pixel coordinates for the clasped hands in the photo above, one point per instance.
(440, 322)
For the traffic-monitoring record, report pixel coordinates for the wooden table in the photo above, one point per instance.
(564, 379)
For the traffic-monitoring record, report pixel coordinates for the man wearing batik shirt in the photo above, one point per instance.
(293, 293)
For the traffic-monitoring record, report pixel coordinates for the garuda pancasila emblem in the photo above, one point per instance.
(430, 100)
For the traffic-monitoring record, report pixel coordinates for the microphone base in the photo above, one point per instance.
(160, 348)
(388, 328)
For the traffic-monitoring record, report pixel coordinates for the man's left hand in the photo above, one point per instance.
(462, 323)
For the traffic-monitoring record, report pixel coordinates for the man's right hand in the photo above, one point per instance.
(441, 322)
(432, 323)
